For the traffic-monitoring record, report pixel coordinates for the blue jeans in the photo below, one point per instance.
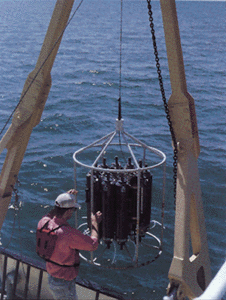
(62, 289)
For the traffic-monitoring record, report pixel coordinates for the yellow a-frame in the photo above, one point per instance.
(189, 272)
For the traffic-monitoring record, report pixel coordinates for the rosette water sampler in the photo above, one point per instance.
(123, 193)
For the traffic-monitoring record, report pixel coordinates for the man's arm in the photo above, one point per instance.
(84, 242)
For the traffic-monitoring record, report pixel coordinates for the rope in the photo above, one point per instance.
(26, 91)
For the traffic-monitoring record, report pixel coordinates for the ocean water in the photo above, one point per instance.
(82, 107)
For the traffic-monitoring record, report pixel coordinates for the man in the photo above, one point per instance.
(63, 265)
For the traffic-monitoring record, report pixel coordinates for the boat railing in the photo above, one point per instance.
(25, 278)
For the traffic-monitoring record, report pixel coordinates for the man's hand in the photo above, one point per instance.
(72, 191)
(95, 220)
(97, 217)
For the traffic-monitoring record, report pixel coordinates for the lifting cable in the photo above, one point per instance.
(164, 99)
(28, 88)
(120, 79)
(120, 68)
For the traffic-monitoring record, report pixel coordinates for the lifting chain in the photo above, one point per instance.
(164, 98)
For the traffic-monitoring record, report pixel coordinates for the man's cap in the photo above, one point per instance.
(66, 200)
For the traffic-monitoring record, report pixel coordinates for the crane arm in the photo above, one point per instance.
(29, 111)
(190, 269)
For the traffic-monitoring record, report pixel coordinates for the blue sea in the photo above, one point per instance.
(82, 107)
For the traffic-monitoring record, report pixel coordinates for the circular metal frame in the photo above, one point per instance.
(129, 141)
(107, 140)
(134, 263)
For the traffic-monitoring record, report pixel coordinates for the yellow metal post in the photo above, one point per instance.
(30, 109)
(190, 267)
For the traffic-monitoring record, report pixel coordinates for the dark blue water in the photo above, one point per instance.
(82, 106)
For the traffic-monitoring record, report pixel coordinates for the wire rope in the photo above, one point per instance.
(120, 67)
(120, 80)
